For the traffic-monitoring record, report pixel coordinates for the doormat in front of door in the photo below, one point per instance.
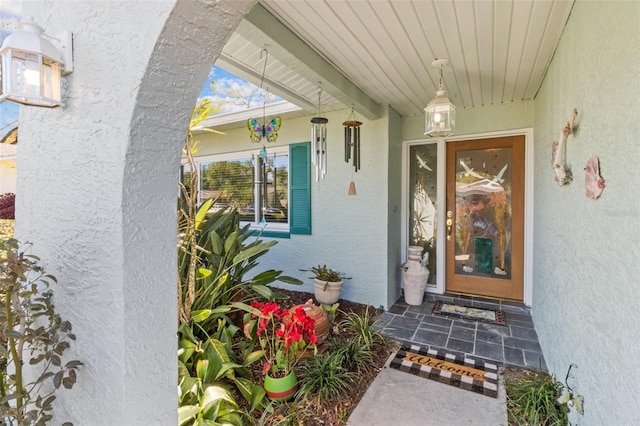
(455, 370)
(466, 312)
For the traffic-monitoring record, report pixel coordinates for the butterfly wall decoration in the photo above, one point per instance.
(267, 130)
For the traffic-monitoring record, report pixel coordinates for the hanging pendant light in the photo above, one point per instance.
(319, 140)
(440, 113)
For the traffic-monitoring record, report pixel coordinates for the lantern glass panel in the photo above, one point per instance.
(51, 79)
(440, 120)
(30, 78)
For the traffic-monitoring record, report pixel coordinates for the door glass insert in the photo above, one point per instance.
(483, 213)
(423, 171)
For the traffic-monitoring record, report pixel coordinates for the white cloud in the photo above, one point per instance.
(10, 11)
(233, 94)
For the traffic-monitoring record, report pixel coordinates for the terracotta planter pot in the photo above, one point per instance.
(281, 388)
(327, 292)
(320, 319)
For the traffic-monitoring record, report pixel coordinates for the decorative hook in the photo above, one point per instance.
(264, 67)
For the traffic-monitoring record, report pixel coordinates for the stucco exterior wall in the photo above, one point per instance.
(97, 189)
(349, 233)
(586, 252)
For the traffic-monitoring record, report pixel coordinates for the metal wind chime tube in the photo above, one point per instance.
(352, 142)
(319, 141)
(319, 146)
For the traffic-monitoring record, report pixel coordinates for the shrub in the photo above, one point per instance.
(354, 356)
(31, 333)
(8, 206)
(362, 327)
(531, 400)
(325, 377)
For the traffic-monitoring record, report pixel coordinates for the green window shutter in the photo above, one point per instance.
(300, 189)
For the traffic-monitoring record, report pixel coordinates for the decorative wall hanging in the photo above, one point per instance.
(593, 182)
(263, 129)
(319, 140)
(566, 395)
(561, 170)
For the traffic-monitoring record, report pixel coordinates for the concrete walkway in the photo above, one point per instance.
(402, 399)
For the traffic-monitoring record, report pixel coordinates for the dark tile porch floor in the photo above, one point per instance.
(513, 345)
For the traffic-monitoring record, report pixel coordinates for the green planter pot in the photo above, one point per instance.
(281, 388)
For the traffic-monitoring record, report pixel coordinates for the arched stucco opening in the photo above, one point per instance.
(98, 187)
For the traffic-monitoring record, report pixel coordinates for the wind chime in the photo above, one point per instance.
(263, 129)
(319, 141)
(352, 145)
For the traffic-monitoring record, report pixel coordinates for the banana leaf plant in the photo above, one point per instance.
(213, 268)
(207, 366)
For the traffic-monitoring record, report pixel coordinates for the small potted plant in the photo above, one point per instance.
(284, 336)
(327, 283)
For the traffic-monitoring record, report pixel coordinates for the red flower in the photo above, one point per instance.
(283, 335)
(313, 338)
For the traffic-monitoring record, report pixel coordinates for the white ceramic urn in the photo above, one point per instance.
(415, 275)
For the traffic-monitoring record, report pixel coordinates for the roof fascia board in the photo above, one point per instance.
(245, 114)
(297, 55)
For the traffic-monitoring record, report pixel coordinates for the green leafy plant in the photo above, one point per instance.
(214, 255)
(223, 366)
(362, 327)
(31, 333)
(324, 273)
(201, 404)
(353, 354)
(212, 270)
(214, 252)
(331, 312)
(324, 377)
(531, 400)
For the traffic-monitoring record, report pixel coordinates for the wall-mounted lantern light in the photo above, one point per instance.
(32, 66)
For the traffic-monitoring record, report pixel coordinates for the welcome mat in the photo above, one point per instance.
(465, 373)
(466, 312)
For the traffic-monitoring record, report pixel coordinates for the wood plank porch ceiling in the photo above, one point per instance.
(379, 52)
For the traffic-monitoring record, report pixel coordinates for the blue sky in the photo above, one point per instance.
(229, 92)
(232, 93)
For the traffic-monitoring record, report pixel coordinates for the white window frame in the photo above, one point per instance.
(254, 154)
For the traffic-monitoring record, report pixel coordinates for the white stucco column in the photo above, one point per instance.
(97, 189)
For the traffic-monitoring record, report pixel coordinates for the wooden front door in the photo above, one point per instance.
(485, 217)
